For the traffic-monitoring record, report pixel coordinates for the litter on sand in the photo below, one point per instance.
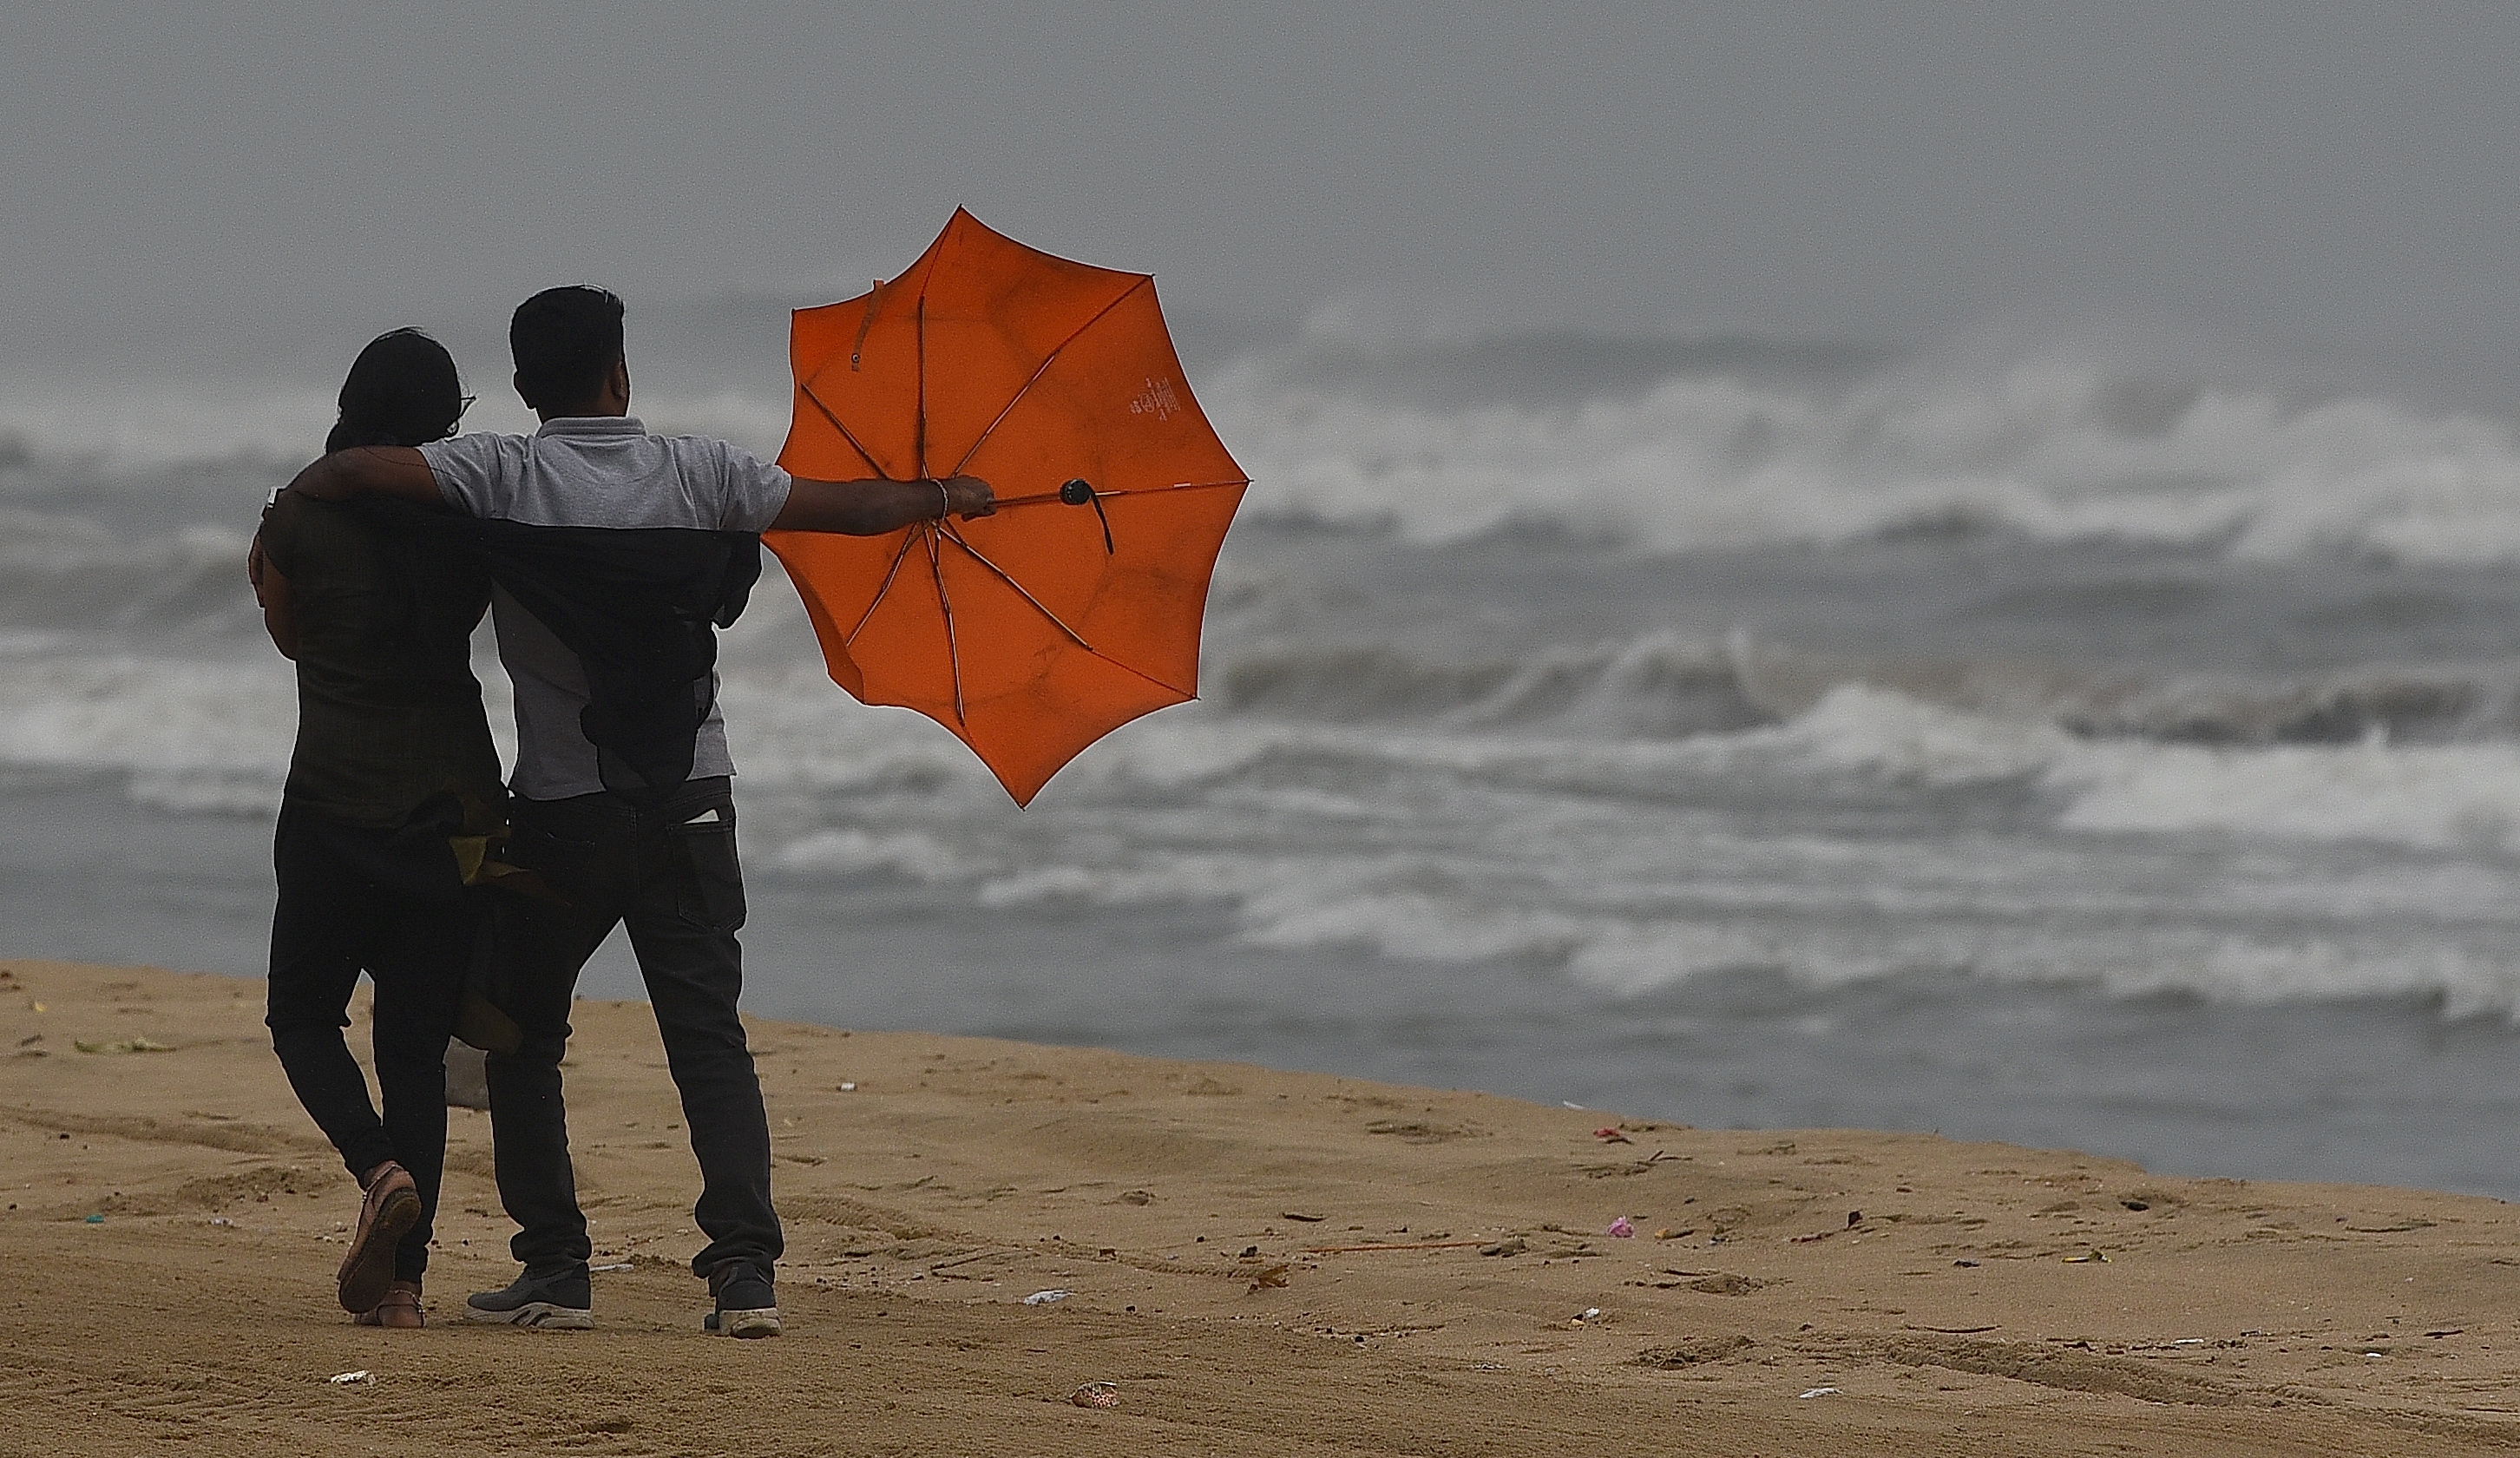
(1611, 1136)
(1822, 1392)
(1095, 1395)
(1589, 1313)
(618, 1266)
(123, 1045)
(1045, 1298)
(358, 1378)
(2086, 1258)
(1623, 1228)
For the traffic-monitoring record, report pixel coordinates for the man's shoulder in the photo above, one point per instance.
(479, 451)
(476, 440)
(713, 449)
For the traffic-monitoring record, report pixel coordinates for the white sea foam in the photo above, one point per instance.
(2052, 445)
(2430, 796)
(1591, 856)
(165, 720)
(845, 853)
(209, 734)
(235, 719)
(2052, 441)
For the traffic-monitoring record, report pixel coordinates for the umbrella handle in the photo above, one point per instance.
(1080, 492)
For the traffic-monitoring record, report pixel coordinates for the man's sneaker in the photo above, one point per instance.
(746, 1303)
(557, 1300)
(388, 1213)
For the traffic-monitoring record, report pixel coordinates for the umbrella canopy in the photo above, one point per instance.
(1077, 607)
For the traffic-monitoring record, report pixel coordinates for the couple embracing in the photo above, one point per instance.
(607, 557)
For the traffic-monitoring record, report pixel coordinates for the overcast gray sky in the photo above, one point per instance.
(2317, 179)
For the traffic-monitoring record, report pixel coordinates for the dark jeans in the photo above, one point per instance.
(669, 872)
(389, 902)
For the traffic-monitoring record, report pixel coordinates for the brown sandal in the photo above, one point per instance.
(400, 1309)
(388, 1213)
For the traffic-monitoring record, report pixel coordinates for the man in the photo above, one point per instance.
(613, 552)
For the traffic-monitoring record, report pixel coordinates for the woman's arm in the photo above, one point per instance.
(271, 590)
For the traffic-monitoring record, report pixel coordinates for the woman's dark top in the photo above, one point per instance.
(389, 712)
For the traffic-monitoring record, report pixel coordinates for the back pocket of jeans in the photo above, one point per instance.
(708, 883)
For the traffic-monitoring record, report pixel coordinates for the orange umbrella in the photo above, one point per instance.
(1077, 607)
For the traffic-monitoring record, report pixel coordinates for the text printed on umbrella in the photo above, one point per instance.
(1156, 399)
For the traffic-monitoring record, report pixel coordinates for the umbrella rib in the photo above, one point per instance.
(1047, 361)
(898, 558)
(1046, 497)
(949, 535)
(874, 295)
(1187, 485)
(863, 453)
(920, 375)
(945, 600)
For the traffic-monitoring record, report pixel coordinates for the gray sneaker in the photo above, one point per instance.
(554, 1301)
(746, 1305)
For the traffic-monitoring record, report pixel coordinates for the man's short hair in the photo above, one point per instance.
(564, 340)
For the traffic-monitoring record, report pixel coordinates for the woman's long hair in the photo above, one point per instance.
(403, 390)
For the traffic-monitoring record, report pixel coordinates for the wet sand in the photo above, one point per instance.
(1258, 1262)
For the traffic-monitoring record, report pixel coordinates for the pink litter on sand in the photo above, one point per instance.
(1621, 1228)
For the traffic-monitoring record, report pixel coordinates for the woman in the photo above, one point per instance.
(394, 758)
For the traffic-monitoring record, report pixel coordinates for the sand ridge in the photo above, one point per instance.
(1258, 1262)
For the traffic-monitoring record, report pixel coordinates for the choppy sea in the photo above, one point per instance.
(2072, 745)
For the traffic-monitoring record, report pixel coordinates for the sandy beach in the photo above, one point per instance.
(1255, 1261)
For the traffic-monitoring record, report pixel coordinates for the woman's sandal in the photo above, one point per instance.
(400, 1309)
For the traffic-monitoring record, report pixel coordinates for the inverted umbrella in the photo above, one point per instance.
(1077, 608)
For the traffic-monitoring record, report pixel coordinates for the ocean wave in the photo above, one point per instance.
(2053, 446)
(1874, 834)
(2414, 703)
(61, 573)
(2427, 796)
(1658, 685)
(1670, 444)
(207, 734)
(168, 723)
(1661, 685)
(1315, 738)
(1885, 912)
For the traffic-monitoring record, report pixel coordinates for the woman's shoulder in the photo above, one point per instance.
(297, 529)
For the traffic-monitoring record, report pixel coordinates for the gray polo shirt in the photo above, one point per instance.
(594, 471)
